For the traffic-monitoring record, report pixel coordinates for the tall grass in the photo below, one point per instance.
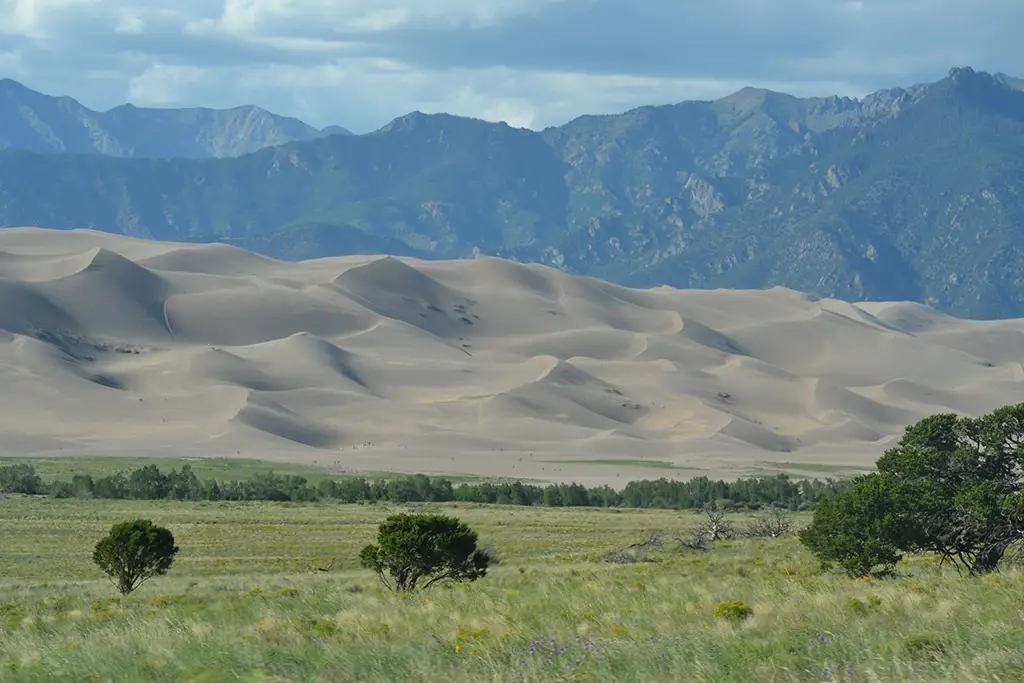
(245, 603)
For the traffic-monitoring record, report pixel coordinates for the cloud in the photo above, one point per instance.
(533, 63)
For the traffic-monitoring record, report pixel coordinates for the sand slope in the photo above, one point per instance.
(120, 346)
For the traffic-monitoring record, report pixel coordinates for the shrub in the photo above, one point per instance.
(424, 548)
(951, 487)
(733, 610)
(134, 552)
(856, 528)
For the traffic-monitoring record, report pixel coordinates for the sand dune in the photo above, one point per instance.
(120, 346)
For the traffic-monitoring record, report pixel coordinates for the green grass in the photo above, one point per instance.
(221, 469)
(818, 469)
(635, 462)
(244, 604)
(453, 478)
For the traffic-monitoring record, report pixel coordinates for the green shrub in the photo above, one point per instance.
(427, 548)
(733, 610)
(856, 528)
(134, 552)
(325, 627)
(950, 487)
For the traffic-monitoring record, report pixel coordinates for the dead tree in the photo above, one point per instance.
(715, 526)
(636, 552)
(695, 541)
(772, 523)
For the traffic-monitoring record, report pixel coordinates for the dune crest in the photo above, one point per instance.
(121, 346)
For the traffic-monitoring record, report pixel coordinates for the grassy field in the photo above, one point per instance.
(221, 469)
(634, 462)
(244, 603)
(817, 469)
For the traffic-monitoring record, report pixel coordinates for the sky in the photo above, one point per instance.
(530, 63)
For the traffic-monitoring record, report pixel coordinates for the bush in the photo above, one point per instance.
(951, 487)
(134, 552)
(856, 529)
(960, 486)
(424, 548)
(734, 610)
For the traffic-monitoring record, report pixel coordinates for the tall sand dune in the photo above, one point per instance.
(118, 346)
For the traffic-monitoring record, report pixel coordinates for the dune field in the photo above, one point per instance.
(118, 346)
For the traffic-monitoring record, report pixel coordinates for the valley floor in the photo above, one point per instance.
(245, 602)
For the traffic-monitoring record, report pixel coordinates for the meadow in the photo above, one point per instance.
(246, 601)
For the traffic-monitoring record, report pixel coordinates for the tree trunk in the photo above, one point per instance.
(987, 560)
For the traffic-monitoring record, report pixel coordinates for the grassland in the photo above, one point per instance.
(221, 469)
(813, 469)
(632, 462)
(244, 603)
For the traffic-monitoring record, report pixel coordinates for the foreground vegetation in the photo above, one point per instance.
(951, 487)
(246, 600)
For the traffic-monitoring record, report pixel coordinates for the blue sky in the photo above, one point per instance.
(532, 63)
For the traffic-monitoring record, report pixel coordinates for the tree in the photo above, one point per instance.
(113, 487)
(772, 523)
(184, 485)
(856, 528)
(134, 552)
(20, 478)
(960, 486)
(715, 526)
(951, 486)
(428, 548)
(148, 483)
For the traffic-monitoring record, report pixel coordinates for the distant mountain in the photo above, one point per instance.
(1015, 83)
(911, 193)
(40, 123)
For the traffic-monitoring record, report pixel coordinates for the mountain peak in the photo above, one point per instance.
(966, 74)
(11, 84)
(336, 130)
(417, 120)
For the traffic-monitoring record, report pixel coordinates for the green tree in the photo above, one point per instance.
(857, 528)
(424, 548)
(184, 485)
(20, 478)
(960, 486)
(134, 552)
(114, 487)
(951, 486)
(148, 483)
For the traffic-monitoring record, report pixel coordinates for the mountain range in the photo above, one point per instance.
(907, 194)
(36, 122)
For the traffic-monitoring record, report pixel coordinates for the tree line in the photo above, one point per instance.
(150, 483)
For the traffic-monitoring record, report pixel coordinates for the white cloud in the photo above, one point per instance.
(130, 23)
(533, 63)
(161, 85)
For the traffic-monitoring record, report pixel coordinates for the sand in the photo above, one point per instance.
(117, 346)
